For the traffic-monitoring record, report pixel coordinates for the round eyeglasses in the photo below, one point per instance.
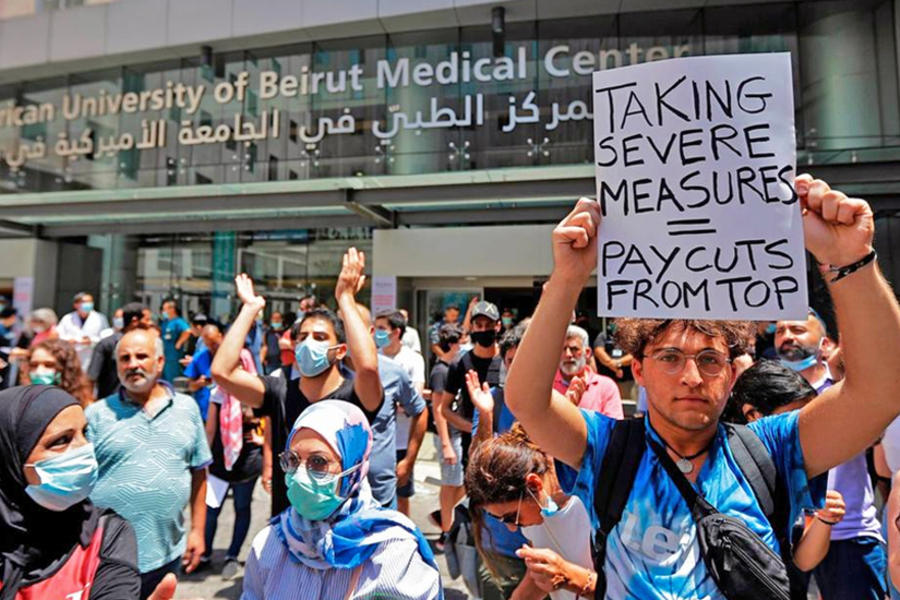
(317, 466)
(709, 362)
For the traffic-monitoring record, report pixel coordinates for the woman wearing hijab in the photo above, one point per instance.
(53, 542)
(335, 542)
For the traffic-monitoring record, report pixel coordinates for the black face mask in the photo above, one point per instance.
(483, 338)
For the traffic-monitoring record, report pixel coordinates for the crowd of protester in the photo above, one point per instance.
(647, 459)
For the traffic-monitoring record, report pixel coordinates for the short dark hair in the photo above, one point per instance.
(448, 335)
(133, 311)
(768, 385)
(394, 318)
(322, 314)
(216, 324)
(451, 307)
(174, 304)
(511, 339)
(199, 319)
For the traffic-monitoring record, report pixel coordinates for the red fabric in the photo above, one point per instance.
(73, 580)
(231, 417)
(601, 393)
(287, 356)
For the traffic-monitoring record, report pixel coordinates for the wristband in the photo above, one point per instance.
(829, 523)
(841, 272)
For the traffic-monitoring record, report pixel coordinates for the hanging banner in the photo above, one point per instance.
(695, 167)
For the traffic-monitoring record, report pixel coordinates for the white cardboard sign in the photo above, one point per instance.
(695, 167)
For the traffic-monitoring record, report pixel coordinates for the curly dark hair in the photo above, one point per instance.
(633, 335)
(72, 378)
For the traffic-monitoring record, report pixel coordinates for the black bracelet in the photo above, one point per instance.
(841, 272)
(829, 523)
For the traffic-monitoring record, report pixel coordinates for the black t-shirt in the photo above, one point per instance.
(456, 378)
(249, 462)
(273, 352)
(608, 343)
(437, 381)
(102, 369)
(283, 402)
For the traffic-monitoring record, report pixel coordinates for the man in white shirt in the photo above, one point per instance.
(410, 337)
(389, 329)
(82, 327)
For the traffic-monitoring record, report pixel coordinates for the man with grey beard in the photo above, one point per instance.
(596, 392)
(152, 452)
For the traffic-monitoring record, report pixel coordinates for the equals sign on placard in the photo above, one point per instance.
(690, 227)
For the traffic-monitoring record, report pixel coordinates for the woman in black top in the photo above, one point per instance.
(53, 541)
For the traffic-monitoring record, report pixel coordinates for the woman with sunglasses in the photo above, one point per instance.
(335, 542)
(513, 480)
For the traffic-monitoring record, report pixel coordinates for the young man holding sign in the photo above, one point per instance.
(685, 366)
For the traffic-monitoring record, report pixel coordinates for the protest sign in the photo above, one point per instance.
(695, 168)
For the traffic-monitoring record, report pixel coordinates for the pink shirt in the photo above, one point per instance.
(601, 393)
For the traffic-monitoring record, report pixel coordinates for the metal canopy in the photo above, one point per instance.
(504, 196)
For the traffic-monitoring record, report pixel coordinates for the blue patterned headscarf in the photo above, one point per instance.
(349, 536)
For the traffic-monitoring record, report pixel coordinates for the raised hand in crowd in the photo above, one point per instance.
(576, 390)
(244, 288)
(483, 401)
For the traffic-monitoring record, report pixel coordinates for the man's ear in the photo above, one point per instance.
(751, 413)
(534, 483)
(637, 369)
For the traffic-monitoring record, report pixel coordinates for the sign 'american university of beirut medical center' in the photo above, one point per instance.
(433, 109)
(695, 163)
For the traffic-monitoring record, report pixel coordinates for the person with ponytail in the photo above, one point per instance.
(513, 480)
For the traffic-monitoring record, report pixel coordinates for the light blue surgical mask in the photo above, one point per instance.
(312, 357)
(770, 328)
(277, 325)
(118, 322)
(314, 499)
(546, 511)
(382, 338)
(45, 378)
(87, 307)
(66, 479)
(800, 365)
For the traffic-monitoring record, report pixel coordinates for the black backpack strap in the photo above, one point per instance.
(756, 464)
(613, 486)
(493, 373)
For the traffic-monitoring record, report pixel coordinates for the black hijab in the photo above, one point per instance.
(33, 540)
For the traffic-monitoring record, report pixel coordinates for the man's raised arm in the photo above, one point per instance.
(226, 366)
(360, 344)
(551, 421)
(848, 417)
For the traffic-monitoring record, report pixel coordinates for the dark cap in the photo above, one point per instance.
(8, 312)
(486, 309)
(200, 319)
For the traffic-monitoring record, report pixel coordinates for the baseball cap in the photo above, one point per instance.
(486, 309)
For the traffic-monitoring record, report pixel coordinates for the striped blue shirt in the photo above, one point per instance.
(396, 571)
(145, 468)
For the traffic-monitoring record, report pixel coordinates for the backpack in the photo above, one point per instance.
(619, 468)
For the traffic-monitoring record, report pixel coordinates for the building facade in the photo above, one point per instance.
(155, 148)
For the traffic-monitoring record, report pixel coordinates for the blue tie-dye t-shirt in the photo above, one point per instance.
(653, 552)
